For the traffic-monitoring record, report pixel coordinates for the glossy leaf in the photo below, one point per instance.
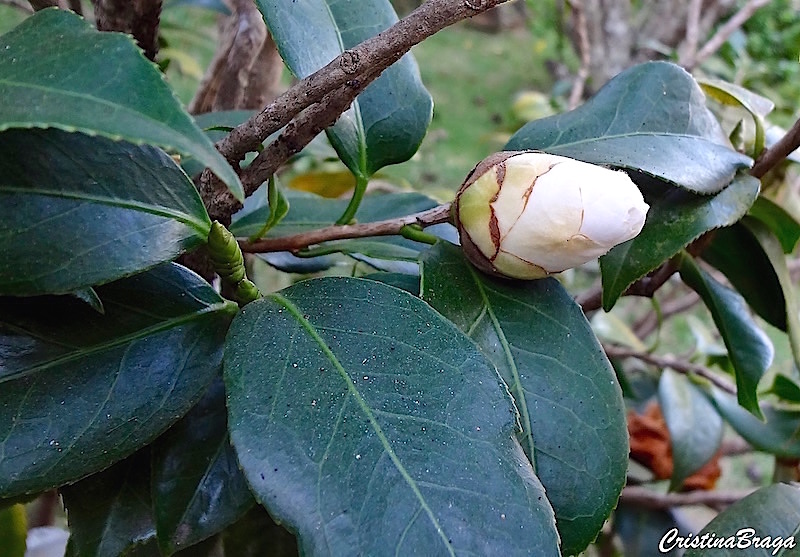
(111, 511)
(75, 88)
(198, 488)
(76, 211)
(409, 283)
(388, 120)
(570, 405)
(782, 296)
(753, 276)
(778, 434)
(785, 388)
(80, 391)
(257, 535)
(695, 427)
(650, 118)
(780, 222)
(676, 218)
(749, 348)
(771, 512)
(756, 106)
(377, 436)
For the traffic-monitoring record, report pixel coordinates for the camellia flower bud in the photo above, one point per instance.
(525, 215)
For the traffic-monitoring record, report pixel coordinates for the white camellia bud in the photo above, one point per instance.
(525, 215)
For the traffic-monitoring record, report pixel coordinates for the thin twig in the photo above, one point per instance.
(645, 287)
(19, 4)
(650, 321)
(680, 366)
(722, 34)
(689, 50)
(436, 215)
(585, 50)
(779, 151)
(648, 498)
(357, 66)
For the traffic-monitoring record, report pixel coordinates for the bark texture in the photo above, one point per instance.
(139, 18)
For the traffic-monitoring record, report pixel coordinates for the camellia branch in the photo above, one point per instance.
(724, 32)
(778, 152)
(662, 362)
(340, 81)
(391, 227)
(648, 498)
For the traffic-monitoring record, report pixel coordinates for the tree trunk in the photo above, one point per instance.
(139, 18)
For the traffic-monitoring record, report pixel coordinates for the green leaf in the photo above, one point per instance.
(736, 252)
(409, 283)
(695, 427)
(755, 105)
(782, 224)
(778, 434)
(650, 118)
(111, 511)
(771, 515)
(749, 348)
(675, 219)
(198, 488)
(785, 388)
(278, 207)
(81, 390)
(378, 436)
(76, 211)
(388, 120)
(257, 535)
(564, 387)
(97, 83)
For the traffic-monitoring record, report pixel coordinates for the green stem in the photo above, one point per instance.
(355, 201)
(415, 232)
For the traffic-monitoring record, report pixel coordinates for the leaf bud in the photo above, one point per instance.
(525, 214)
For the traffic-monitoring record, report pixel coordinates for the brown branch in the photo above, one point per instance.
(645, 287)
(584, 48)
(139, 18)
(689, 49)
(769, 158)
(722, 34)
(436, 215)
(648, 498)
(42, 4)
(650, 321)
(680, 366)
(357, 66)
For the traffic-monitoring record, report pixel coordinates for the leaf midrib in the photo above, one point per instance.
(118, 341)
(312, 332)
(188, 219)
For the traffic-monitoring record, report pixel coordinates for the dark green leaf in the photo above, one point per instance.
(640, 529)
(770, 246)
(785, 388)
(98, 83)
(695, 427)
(736, 252)
(778, 434)
(772, 512)
(782, 224)
(76, 211)
(570, 404)
(388, 120)
(89, 296)
(409, 283)
(749, 348)
(111, 511)
(257, 535)
(650, 118)
(198, 488)
(378, 435)
(216, 5)
(675, 219)
(81, 390)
